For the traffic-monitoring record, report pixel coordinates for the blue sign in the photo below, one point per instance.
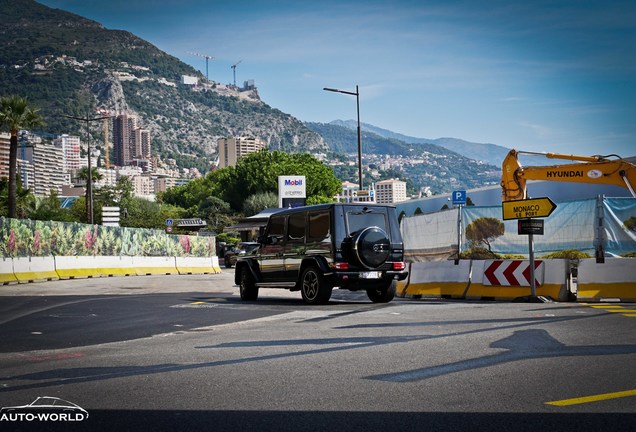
(168, 222)
(459, 197)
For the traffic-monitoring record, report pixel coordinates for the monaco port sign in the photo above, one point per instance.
(529, 208)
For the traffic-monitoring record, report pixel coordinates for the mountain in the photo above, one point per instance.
(68, 65)
(490, 153)
(425, 165)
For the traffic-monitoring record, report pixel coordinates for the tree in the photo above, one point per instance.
(258, 202)
(484, 230)
(16, 114)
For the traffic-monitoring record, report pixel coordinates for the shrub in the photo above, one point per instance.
(567, 254)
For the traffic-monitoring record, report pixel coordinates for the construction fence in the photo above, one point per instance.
(599, 226)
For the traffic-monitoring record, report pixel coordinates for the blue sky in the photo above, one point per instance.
(557, 76)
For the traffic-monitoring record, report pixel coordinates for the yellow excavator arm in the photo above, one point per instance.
(591, 169)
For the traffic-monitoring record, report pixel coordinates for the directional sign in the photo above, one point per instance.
(459, 197)
(529, 208)
(512, 273)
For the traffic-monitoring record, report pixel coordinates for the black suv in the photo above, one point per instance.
(316, 248)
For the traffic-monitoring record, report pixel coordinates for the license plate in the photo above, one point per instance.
(370, 275)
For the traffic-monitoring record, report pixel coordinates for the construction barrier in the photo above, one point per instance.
(154, 265)
(69, 267)
(30, 269)
(489, 279)
(6, 271)
(615, 279)
(510, 279)
(437, 279)
(195, 265)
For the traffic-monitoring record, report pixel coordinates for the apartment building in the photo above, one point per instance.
(390, 191)
(351, 193)
(130, 142)
(70, 146)
(232, 149)
(45, 168)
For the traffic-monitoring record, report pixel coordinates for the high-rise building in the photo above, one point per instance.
(142, 144)
(232, 149)
(4, 155)
(390, 191)
(44, 167)
(70, 146)
(124, 126)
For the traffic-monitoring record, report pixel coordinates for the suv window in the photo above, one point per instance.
(358, 220)
(296, 229)
(319, 227)
(276, 231)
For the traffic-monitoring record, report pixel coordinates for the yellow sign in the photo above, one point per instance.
(529, 208)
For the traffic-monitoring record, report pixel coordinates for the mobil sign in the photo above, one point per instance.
(291, 187)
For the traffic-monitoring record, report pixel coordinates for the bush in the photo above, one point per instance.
(478, 253)
(629, 255)
(567, 254)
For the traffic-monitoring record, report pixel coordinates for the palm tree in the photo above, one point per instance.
(16, 114)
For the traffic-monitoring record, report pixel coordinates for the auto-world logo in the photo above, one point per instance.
(44, 409)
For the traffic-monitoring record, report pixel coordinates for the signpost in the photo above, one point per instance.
(459, 199)
(525, 210)
(529, 208)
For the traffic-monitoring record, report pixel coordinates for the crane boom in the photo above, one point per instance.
(207, 58)
(591, 169)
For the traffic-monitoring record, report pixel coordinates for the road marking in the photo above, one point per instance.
(607, 307)
(595, 398)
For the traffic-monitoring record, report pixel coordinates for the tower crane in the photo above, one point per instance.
(234, 70)
(207, 58)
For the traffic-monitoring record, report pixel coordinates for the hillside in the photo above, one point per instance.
(489, 153)
(68, 65)
(425, 165)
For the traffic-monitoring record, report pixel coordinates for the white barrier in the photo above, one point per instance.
(6, 271)
(69, 267)
(29, 269)
(552, 278)
(154, 265)
(613, 279)
(437, 279)
(194, 265)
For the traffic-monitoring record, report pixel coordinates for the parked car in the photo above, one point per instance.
(242, 248)
(316, 248)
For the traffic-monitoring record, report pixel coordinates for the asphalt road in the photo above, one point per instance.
(184, 353)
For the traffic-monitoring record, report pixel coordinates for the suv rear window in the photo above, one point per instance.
(358, 220)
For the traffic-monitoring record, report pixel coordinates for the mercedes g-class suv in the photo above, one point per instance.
(316, 248)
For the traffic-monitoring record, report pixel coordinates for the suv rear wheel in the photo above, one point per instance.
(247, 287)
(382, 295)
(371, 247)
(314, 288)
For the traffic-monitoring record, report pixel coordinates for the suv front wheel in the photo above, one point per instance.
(382, 295)
(247, 287)
(314, 288)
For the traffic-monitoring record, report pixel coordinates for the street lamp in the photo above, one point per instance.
(89, 177)
(357, 95)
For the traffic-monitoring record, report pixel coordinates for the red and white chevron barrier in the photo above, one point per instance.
(512, 273)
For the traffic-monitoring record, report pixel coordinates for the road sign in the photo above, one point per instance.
(459, 197)
(169, 222)
(529, 208)
(530, 226)
(168, 228)
(512, 273)
(192, 222)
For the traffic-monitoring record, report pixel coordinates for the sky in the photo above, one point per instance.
(541, 75)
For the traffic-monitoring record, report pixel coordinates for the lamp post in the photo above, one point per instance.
(357, 95)
(89, 177)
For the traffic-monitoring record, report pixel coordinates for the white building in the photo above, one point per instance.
(232, 149)
(390, 191)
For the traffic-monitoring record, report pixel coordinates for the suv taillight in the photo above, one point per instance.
(399, 266)
(340, 265)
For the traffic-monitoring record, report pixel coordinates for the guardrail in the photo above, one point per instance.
(508, 279)
(31, 269)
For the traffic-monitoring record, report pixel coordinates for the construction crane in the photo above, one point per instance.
(234, 70)
(207, 58)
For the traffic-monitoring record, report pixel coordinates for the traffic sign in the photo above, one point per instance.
(459, 197)
(169, 222)
(529, 208)
(513, 272)
(530, 226)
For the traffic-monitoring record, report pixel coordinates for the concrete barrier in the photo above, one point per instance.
(154, 265)
(70, 267)
(215, 264)
(614, 279)
(6, 271)
(29, 269)
(505, 280)
(436, 279)
(194, 265)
